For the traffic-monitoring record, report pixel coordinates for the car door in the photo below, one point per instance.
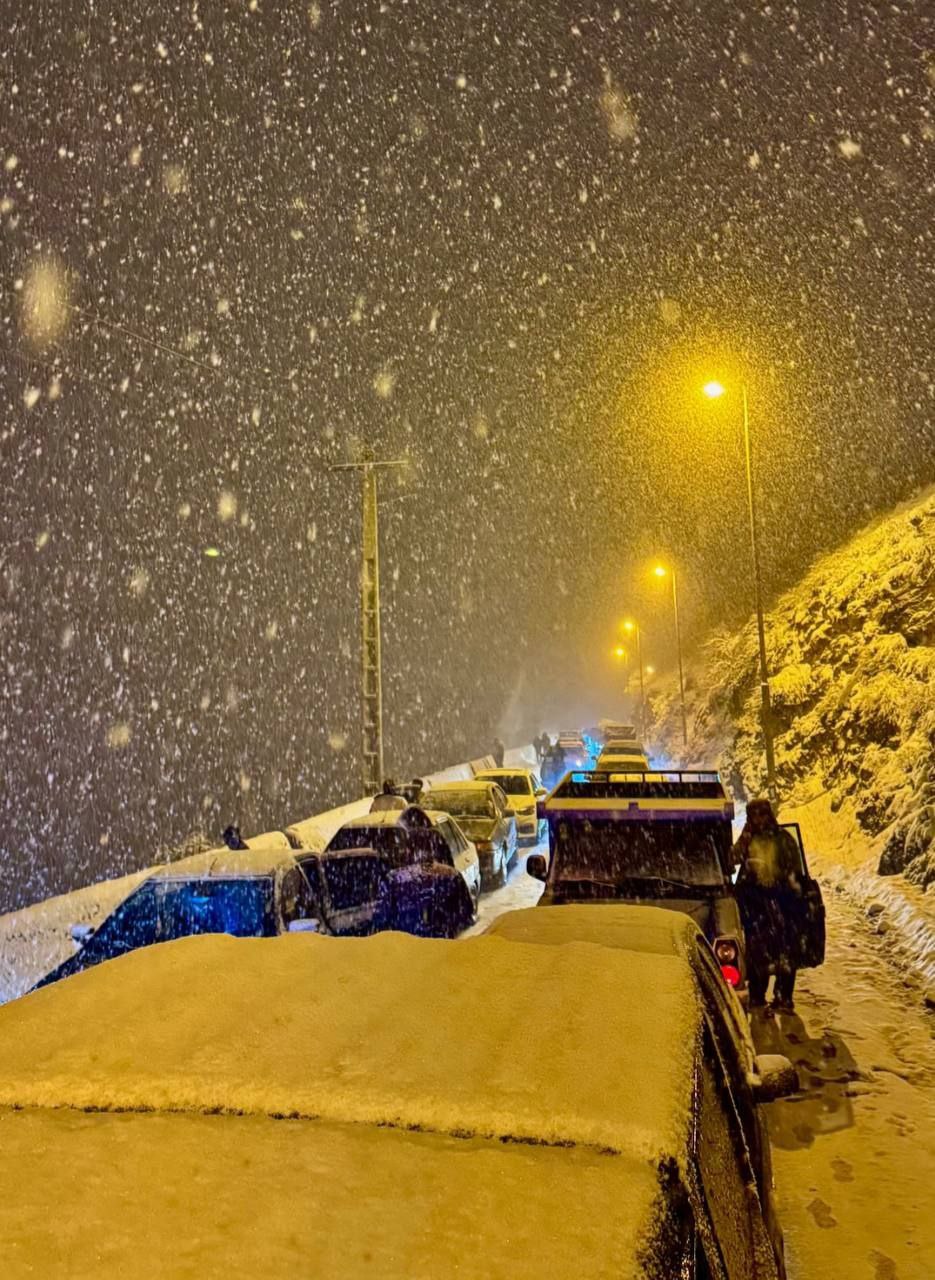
(730, 1032)
(463, 853)
(737, 1241)
(350, 886)
(812, 922)
(506, 824)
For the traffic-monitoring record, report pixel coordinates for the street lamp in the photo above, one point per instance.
(631, 628)
(662, 572)
(714, 390)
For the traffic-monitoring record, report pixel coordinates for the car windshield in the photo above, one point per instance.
(464, 804)
(161, 910)
(615, 853)
(514, 784)
(353, 882)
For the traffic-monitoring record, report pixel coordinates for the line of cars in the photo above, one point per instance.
(639, 870)
(473, 827)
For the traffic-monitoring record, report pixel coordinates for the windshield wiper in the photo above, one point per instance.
(605, 884)
(690, 885)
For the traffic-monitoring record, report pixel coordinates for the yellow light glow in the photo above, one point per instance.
(660, 571)
(212, 553)
(620, 652)
(629, 626)
(650, 671)
(713, 390)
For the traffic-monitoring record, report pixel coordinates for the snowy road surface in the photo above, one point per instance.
(854, 1156)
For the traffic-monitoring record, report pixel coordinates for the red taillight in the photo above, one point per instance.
(726, 950)
(731, 974)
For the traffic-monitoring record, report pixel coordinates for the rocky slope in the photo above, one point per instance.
(852, 664)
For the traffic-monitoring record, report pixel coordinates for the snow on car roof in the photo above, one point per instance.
(224, 862)
(648, 930)
(579, 1044)
(486, 775)
(167, 1195)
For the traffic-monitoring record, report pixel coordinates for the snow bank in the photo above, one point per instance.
(852, 661)
(486, 1037)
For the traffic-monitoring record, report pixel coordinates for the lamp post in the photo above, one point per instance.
(714, 390)
(662, 572)
(631, 628)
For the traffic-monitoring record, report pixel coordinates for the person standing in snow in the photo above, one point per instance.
(770, 899)
(499, 750)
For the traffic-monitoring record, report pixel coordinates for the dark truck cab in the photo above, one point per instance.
(653, 839)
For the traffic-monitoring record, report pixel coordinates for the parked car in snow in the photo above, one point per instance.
(245, 892)
(402, 836)
(653, 838)
(522, 788)
(734, 1077)
(482, 810)
(626, 1119)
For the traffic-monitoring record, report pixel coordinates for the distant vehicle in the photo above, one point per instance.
(620, 759)
(727, 1048)
(616, 729)
(523, 789)
(605, 1080)
(624, 746)
(250, 893)
(660, 839)
(402, 835)
(486, 816)
(575, 749)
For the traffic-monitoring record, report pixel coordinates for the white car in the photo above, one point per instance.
(400, 835)
(523, 789)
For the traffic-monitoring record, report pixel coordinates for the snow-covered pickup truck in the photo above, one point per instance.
(661, 839)
(369, 1107)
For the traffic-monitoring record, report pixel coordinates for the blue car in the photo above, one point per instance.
(248, 893)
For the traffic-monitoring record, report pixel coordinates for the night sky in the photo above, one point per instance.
(505, 241)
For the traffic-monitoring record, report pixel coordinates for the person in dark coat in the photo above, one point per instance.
(770, 898)
(499, 751)
(427, 899)
(389, 798)
(233, 839)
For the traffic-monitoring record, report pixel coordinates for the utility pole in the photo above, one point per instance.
(371, 670)
(766, 713)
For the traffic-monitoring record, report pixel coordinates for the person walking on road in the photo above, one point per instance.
(499, 751)
(770, 899)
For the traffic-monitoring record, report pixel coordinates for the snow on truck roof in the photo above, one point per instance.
(552, 1045)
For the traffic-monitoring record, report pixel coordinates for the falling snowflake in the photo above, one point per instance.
(849, 149)
(384, 384)
(227, 506)
(139, 582)
(119, 734)
(337, 741)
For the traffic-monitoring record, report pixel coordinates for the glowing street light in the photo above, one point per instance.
(620, 652)
(714, 390)
(662, 572)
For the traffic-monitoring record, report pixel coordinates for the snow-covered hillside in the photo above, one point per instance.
(852, 665)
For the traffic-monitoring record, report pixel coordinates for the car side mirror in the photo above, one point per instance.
(80, 933)
(537, 866)
(304, 926)
(774, 1077)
